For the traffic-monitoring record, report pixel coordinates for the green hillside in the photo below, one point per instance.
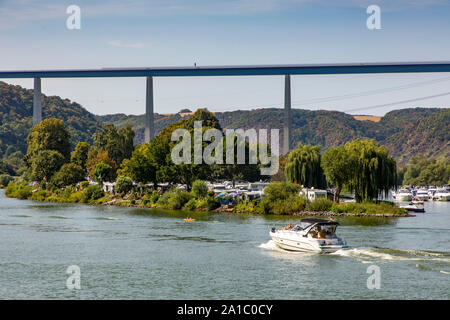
(405, 132)
(16, 111)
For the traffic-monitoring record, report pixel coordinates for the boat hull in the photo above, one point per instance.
(304, 246)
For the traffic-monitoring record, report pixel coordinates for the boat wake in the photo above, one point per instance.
(270, 245)
(425, 260)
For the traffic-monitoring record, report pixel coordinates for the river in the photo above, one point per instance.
(131, 253)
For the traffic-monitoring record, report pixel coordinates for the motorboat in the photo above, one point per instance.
(403, 195)
(310, 235)
(422, 195)
(442, 195)
(413, 207)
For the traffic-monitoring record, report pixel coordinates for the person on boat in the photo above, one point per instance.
(315, 232)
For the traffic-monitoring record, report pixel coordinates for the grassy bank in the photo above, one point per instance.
(279, 200)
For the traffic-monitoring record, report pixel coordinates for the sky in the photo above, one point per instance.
(154, 33)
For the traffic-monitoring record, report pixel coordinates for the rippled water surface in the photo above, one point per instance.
(129, 253)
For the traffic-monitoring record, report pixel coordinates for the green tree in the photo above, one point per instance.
(118, 143)
(80, 155)
(337, 166)
(50, 134)
(70, 173)
(374, 171)
(45, 164)
(103, 172)
(199, 189)
(124, 184)
(303, 167)
(141, 167)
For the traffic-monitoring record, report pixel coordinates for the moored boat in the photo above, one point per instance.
(403, 195)
(412, 207)
(442, 195)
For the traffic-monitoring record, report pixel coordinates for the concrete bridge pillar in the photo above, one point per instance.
(287, 114)
(37, 105)
(149, 116)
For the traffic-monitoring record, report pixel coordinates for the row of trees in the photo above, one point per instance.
(424, 171)
(49, 157)
(360, 166)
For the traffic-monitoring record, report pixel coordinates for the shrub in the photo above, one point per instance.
(179, 199)
(84, 184)
(199, 189)
(69, 174)
(212, 204)
(154, 197)
(92, 192)
(281, 198)
(174, 199)
(40, 195)
(289, 205)
(190, 205)
(124, 184)
(5, 179)
(319, 204)
(19, 190)
(281, 190)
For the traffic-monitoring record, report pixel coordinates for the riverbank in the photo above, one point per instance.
(190, 202)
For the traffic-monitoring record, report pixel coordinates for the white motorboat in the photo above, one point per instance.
(403, 195)
(311, 235)
(442, 195)
(422, 195)
(413, 207)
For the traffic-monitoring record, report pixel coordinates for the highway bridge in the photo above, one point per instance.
(204, 71)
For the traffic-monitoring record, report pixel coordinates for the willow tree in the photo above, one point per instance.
(374, 171)
(303, 166)
(338, 168)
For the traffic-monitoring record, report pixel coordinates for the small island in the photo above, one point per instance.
(113, 171)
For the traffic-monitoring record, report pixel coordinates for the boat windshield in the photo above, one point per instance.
(323, 231)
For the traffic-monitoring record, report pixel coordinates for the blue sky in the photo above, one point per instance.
(151, 33)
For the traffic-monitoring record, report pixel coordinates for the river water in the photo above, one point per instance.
(130, 253)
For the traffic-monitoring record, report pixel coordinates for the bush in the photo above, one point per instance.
(19, 190)
(281, 190)
(382, 207)
(319, 204)
(154, 197)
(5, 179)
(199, 189)
(281, 198)
(124, 184)
(212, 204)
(40, 195)
(290, 205)
(174, 199)
(179, 199)
(190, 205)
(69, 174)
(84, 184)
(92, 192)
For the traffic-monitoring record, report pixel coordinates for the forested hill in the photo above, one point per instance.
(16, 118)
(405, 132)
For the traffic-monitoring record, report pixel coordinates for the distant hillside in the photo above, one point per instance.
(16, 117)
(405, 132)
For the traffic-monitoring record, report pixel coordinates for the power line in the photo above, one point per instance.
(398, 102)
